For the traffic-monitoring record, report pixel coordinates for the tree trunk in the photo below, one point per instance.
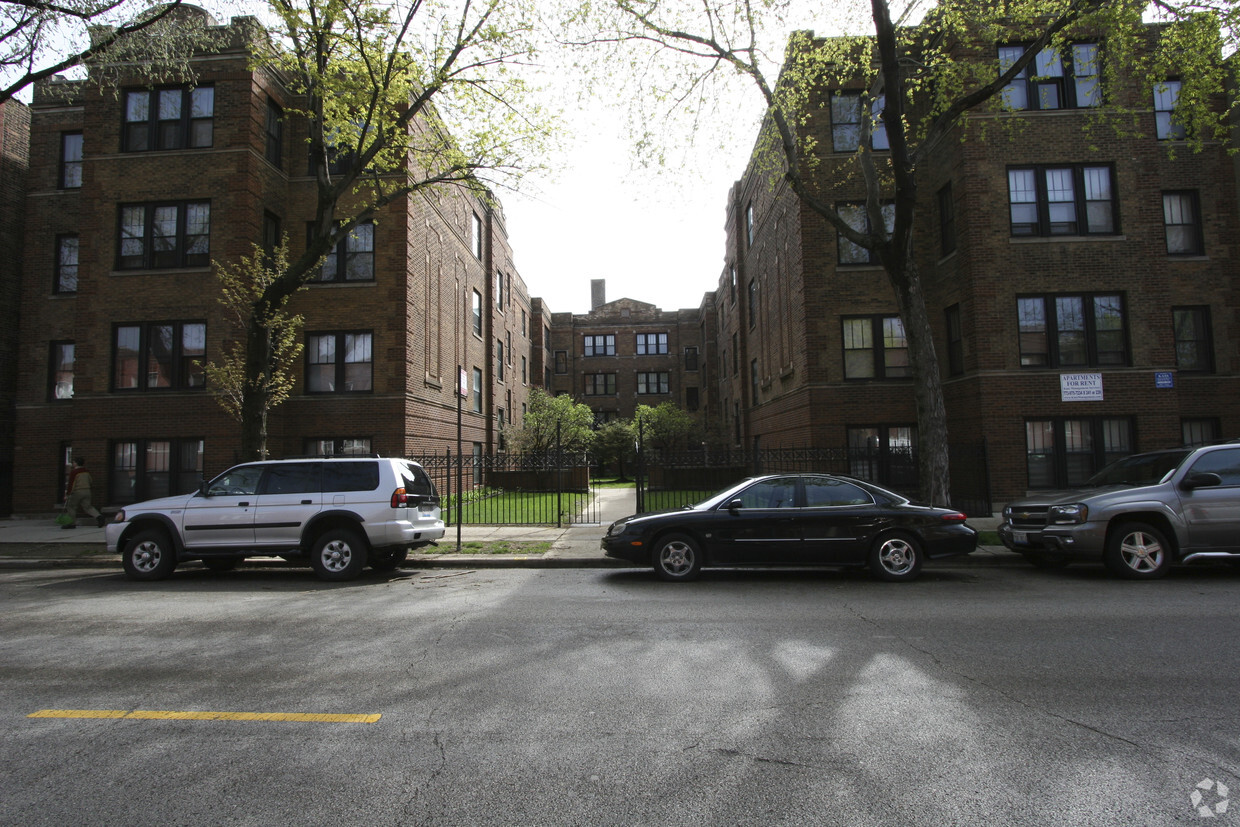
(932, 453)
(254, 392)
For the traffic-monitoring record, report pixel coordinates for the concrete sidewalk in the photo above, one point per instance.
(36, 542)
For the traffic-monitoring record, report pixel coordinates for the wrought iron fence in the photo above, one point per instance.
(672, 479)
(555, 488)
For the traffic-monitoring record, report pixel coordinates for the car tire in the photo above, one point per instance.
(1046, 561)
(221, 564)
(895, 557)
(339, 554)
(1137, 551)
(677, 558)
(149, 555)
(388, 559)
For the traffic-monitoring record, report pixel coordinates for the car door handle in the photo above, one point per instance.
(307, 502)
(243, 503)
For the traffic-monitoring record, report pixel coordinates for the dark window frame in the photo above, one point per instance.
(598, 344)
(1054, 331)
(57, 371)
(955, 340)
(273, 133)
(947, 220)
(342, 260)
(883, 368)
(1097, 456)
(60, 275)
(1043, 226)
(163, 135)
(592, 381)
(1065, 86)
(69, 170)
(1194, 236)
(858, 209)
(1202, 343)
(1165, 100)
(181, 478)
(152, 259)
(645, 341)
(339, 364)
(183, 375)
(661, 381)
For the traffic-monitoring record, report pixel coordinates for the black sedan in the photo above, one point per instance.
(793, 520)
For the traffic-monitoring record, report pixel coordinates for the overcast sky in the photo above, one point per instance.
(654, 238)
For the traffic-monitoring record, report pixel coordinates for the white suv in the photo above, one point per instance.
(343, 512)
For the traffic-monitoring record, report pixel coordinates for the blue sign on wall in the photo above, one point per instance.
(1164, 379)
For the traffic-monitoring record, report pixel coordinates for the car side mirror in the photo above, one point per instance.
(1203, 480)
(202, 489)
(735, 505)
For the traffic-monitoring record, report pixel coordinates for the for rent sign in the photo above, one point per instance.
(1080, 387)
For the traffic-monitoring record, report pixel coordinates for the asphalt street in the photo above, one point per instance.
(976, 695)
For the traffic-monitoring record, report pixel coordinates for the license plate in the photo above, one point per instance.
(1021, 537)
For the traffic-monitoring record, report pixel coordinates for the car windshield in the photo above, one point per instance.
(1139, 469)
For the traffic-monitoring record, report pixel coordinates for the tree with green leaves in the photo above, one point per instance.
(402, 99)
(241, 286)
(552, 421)
(39, 40)
(921, 81)
(665, 426)
(613, 443)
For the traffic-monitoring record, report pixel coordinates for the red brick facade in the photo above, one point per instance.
(783, 317)
(417, 311)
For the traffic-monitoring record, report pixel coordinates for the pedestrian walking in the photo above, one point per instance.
(78, 495)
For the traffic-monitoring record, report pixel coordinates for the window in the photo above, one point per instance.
(156, 236)
(159, 356)
(499, 360)
(1072, 331)
(499, 291)
(1194, 349)
(1064, 200)
(691, 399)
(174, 118)
(1057, 81)
(70, 160)
(272, 236)
(749, 224)
(561, 362)
(875, 348)
(856, 216)
(754, 385)
(477, 390)
(947, 221)
(753, 302)
(60, 371)
(600, 384)
(691, 358)
(955, 341)
(1199, 431)
(476, 310)
(339, 362)
(1182, 221)
(652, 383)
(475, 238)
(601, 345)
(1060, 453)
(651, 344)
(732, 282)
(66, 279)
(1166, 95)
(275, 134)
(353, 257)
(525, 378)
(147, 468)
(846, 123)
(337, 447)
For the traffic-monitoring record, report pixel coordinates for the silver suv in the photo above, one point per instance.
(1139, 515)
(341, 512)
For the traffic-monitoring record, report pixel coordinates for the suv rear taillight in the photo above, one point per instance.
(400, 498)
(954, 517)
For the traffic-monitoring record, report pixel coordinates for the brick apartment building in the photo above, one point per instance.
(626, 353)
(14, 162)
(1084, 293)
(131, 197)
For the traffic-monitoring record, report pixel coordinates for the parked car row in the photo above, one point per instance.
(1139, 516)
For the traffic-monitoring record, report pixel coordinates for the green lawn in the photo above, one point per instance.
(516, 508)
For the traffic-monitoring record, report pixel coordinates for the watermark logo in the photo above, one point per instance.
(1210, 798)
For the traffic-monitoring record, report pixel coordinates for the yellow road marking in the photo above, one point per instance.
(169, 715)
